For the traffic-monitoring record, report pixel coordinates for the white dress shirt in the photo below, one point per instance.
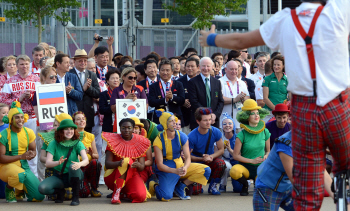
(330, 44)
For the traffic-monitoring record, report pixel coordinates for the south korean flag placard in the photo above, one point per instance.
(126, 108)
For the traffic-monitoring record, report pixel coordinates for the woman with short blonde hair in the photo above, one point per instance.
(10, 67)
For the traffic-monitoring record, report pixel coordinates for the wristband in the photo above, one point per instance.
(211, 39)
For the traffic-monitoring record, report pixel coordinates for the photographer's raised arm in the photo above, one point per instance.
(92, 50)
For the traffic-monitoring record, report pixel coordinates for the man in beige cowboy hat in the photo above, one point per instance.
(91, 89)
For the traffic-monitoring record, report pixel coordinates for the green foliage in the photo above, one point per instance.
(205, 10)
(25, 10)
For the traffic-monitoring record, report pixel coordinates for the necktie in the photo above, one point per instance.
(207, 91)
(152, 82)
(167, 87)
(102, 74)
(81, 77)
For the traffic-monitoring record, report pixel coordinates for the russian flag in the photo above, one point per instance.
(55, 97)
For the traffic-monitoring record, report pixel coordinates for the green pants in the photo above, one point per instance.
(21, 178)
(48, 186)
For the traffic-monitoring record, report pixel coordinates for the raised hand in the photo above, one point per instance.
(110, 41)
(204, 36)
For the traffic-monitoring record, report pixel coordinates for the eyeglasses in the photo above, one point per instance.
(245, 51)
(132, 78)
(224, 124)
(53, 76)
(254, 113)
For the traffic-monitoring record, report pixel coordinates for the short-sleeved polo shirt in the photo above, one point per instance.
(277, 89)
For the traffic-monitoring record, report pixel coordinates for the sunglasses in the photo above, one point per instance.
(132, 78)
(255, 67)
(224, 124)
(53, 76)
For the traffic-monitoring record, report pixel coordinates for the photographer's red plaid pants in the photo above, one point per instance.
(314, 129)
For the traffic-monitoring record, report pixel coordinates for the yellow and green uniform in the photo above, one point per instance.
(18, 173)
(171, 149)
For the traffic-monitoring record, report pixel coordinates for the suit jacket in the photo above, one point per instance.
(155, 99)
(109, 68)
(186, 112)
(251, 87)
(105, 109)
(144, 85)
(75, 95)
(197, 94)
(87, 104)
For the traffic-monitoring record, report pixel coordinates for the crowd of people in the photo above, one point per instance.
(208, 119)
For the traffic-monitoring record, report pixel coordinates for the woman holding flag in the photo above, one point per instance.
(127, 90)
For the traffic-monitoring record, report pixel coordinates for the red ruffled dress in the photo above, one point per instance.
(133, 186)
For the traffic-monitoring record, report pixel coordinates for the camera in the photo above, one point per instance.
(99, 38)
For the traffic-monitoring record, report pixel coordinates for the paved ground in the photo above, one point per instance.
(227, 201)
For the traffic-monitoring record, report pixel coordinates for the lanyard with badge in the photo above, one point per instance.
(238, 105)
(168, 88)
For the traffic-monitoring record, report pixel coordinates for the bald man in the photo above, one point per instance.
(205, 91)
(234, 92)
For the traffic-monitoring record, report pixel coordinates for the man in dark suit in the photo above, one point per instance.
(91, 89)
(102, 58)
(166, 93)
(151, 70)
(191, 67)
(205, 91)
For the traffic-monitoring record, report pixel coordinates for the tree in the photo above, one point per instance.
(25, 10)
(205, 10)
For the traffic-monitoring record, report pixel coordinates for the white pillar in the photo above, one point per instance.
(264, 11)
(279, 5)
(116, 35)
(253, 14)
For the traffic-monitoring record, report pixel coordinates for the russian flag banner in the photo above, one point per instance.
(55, 97)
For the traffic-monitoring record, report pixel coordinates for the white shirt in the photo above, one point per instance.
(247, 67)
(330, 44)
(33, 70)
(81, 76)
(203, 78)
(150, 81)
(227, 93)
(61, 79)
(164, 90)
(256, 77)
(259, 91)
(103, 69)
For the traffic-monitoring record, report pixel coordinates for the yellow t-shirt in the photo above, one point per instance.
(19, 141)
